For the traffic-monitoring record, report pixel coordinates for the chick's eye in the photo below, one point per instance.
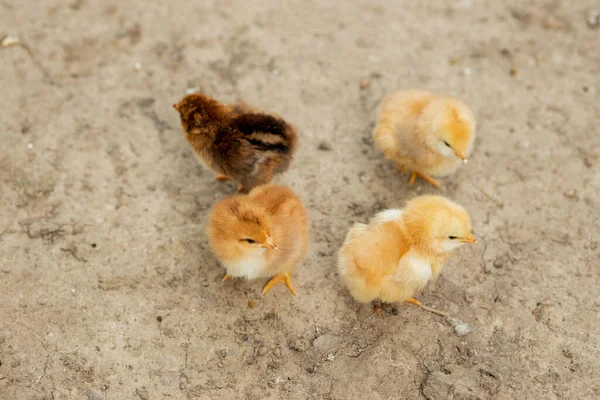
(446, 143)
(451, 237)
(249, 240)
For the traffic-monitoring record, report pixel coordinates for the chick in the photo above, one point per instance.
(262, 234)
(237, 141)
(424, 133)
(393, 257)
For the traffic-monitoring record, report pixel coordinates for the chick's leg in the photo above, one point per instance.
(284, 278)
(223, 178)
(378, 308)
(400, 167)
(427, 178)
(226, 277)
(413, 177)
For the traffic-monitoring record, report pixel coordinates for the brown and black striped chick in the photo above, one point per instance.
(236, 141)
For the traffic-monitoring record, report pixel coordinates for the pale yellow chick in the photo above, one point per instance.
(393, 257)
(425, 133)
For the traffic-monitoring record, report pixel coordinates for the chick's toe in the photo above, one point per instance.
(283, 278)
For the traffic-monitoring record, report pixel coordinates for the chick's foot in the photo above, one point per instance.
(427, 178)
(283, 278)
(223, 178)
(226, 277)
(378, 308)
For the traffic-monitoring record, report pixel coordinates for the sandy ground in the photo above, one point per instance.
(107, 286)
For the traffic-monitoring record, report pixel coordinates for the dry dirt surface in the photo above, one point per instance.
(109, 291)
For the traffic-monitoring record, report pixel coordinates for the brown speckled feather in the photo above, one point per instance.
(238, 141)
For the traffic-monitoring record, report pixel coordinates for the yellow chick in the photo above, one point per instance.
(261, 234)
(393, 257)
(425, 133)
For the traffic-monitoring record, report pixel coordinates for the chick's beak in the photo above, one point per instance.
(269, 244)
(462, 156)
(469, 239)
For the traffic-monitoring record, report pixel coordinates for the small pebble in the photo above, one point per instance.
(571, 193)
(310, 370)
(8, 41)
(30, 145)
(593, 18)
(330, 357)
(191, 90)
(324, 146)
(460, 327)
(364, 83)
(137, 66)
(467, 71)
(276, 71)
(159, 318)
(513, 72)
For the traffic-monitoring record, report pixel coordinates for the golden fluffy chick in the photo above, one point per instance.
(393, 257)
(236, 141)
(424, 133)
(262, 234)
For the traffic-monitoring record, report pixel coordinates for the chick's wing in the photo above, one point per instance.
(377, 251)
(265, 132)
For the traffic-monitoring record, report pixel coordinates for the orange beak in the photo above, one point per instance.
(175, 106)
(469, 239)
(269, 244)
(462, 156)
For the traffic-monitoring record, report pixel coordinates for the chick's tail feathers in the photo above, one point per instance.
(267, 133)
(346, 260)
(383, 137)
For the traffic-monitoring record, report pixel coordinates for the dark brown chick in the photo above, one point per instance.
(236, 141)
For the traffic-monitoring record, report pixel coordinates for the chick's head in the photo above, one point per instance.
(439, 224)
(449, 128)
(240, 227)
(198, 110)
